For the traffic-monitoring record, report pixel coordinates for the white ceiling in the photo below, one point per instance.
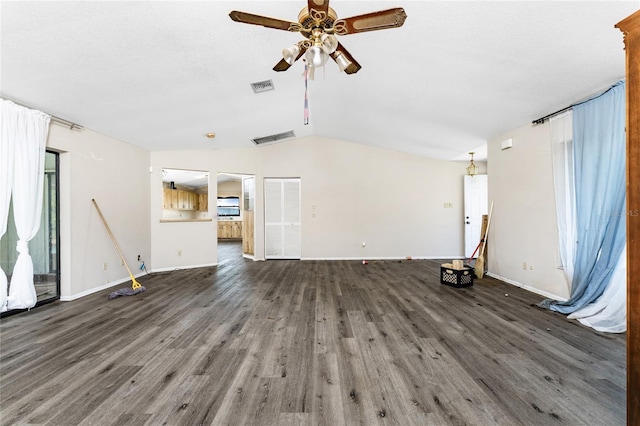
(162, 74)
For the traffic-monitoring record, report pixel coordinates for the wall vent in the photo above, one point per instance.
(274, 138)
(262, 86)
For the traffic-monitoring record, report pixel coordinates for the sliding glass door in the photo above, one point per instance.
(44, 247)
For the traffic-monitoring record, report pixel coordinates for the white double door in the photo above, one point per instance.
(282, 218)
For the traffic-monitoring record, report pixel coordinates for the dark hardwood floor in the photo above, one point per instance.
(308, 342)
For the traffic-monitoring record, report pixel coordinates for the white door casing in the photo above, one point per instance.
(475, 205)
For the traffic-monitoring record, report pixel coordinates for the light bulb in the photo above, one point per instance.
(315, 56)
(342, 61)
(290, 54)
(329, 43)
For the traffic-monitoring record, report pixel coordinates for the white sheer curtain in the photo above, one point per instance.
(7, 121)
(28, 135)
(609, 312)
(563, 181)
(589, 179)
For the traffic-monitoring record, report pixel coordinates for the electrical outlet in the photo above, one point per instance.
(179, 252)
(448, 205)
(531, 267)
(104, 266)
(524, 265)
(364, 244)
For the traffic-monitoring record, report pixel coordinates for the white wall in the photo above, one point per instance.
(352, 193)
(230, 188)
(196, 241)
(523, 226)
(394, 202)
(93, 165)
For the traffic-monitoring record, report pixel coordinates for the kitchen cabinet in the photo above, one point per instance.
(184, 200)
(169, 198)
(179, 199)
(203, 202)
(229, 230)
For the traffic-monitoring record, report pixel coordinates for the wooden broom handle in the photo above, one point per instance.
(113, 239)
(486, 232)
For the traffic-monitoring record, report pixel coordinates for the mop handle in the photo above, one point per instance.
(113, 239)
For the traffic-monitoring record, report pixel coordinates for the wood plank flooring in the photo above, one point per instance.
(308, 342)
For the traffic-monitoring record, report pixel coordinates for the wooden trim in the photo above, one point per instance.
(630, 26)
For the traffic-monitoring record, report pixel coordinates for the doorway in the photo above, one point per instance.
(248, 217)
(44, 247)
(475, 205)
(282, 214)
(234, 216)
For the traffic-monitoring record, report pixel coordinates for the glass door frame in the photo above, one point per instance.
(53, 226)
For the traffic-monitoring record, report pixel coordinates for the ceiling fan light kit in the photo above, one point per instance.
(319, 24)
(290, 54)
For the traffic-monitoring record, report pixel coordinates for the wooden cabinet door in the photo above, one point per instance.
(236, 230)
(181, 199)
(229, 230)
(166, 198)
(224, 230)
(174, 199)
(169, 198)
(186, 200)
(203, 202)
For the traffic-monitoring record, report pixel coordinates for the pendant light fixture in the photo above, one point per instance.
(472, 169)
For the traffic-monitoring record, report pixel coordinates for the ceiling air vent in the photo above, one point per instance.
(274, 138)
(262, 86)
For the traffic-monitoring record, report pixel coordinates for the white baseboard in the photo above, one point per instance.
(382, 258)
(124, 280)
(177, 268)
(526, 287)
(97, 289)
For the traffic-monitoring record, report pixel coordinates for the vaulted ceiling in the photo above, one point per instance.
(162, 74)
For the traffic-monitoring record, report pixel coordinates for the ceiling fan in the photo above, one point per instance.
(319, 24)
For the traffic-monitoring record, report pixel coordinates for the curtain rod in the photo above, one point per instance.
(560, 111)
(71, 124)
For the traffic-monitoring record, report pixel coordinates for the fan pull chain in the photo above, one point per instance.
(306, 97)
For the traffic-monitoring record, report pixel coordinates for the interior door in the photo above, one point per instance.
(282, 218)
(248, 217)
(475, 205)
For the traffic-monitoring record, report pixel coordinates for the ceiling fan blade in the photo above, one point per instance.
(284, 65)
(318, 5)
(281, 66)
(250, 18)
(383, 19)
(353, 66)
